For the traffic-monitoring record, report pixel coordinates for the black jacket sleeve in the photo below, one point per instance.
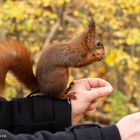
(82, 132)
(29, 115)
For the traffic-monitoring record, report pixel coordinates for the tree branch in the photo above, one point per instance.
(71, 20)
(51, 34)
(54, 29)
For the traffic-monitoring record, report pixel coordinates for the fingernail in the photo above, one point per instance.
(108, 89)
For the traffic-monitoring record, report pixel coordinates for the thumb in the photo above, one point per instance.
(100, 92)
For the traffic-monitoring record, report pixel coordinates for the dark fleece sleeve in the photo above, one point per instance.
(28, 115)
(82, 132)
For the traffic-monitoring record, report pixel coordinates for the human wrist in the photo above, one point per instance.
(75, 116)
(76, 112)
(76, 119)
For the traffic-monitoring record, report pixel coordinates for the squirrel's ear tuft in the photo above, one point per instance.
(91, 26)
(91, 23)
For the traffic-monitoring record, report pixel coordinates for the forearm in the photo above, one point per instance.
(28, 115)
(82, 132)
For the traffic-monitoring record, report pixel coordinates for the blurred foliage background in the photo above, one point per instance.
(39, 23)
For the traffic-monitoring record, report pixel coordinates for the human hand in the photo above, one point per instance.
(88, 91)
(129, 127)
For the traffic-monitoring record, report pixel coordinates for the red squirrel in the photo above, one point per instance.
(53, 67)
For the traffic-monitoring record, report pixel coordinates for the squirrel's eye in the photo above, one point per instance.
(98, 43)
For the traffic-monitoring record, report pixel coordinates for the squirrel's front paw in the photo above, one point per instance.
(68, 96)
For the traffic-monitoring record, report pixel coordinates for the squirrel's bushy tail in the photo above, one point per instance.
(14, 57)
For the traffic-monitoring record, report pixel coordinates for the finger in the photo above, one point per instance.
(89, 113)
(99, 92)
(92, 106)
(88, 84)
(96, 82)
(94, 101)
